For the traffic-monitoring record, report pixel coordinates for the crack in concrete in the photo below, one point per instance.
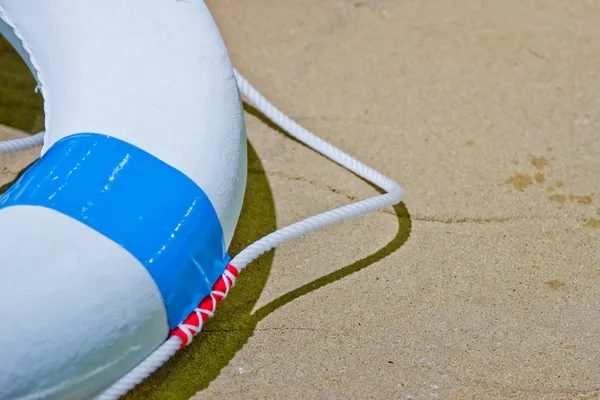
(464, 220)
(423, 218)
(306, 180)
(283, 328)
(459, 220)
(448, 220)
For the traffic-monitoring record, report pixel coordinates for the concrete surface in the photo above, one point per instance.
(484, 282)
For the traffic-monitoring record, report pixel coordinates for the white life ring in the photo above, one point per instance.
(114, 243)
(142, 107)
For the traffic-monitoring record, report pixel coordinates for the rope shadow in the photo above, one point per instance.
(401, 237)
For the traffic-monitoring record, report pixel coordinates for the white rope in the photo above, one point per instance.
(142, 370)
(393, 196)
(246, 256)
(11, 146)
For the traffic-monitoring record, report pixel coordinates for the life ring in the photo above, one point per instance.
(121, 228)
(115, 240)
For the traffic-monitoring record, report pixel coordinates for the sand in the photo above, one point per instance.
(484, 282)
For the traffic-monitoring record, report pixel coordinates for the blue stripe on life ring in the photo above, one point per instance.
(151, 209)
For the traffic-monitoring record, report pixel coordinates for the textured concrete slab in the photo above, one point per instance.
(484, 282)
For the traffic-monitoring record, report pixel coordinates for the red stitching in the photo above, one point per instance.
(192, 325)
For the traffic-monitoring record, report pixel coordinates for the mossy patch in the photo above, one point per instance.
(555, 284)
(520, 181)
